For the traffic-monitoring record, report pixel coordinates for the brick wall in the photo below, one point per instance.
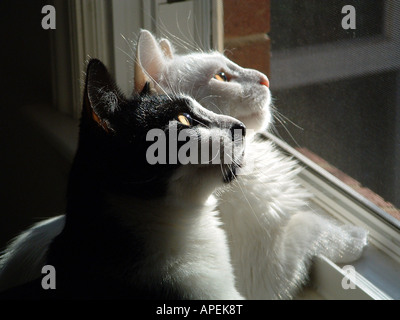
(352, 183)
(246, 25)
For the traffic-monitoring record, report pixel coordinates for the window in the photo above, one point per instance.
(337, 91)
(336, 95)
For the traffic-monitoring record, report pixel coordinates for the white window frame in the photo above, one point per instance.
(331, 195)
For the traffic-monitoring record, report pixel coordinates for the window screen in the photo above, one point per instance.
(337, 91)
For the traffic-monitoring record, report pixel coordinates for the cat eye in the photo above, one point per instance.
(221, 76)
(185, 119)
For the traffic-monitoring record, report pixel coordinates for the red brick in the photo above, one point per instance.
(394, 212)
(317, 159)
(250, 52)
(354, 184)
(374, 198)
(244, 17)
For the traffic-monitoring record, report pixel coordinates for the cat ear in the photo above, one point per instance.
(167, 48)
(149, 60)
(101, 97)
(148, 89)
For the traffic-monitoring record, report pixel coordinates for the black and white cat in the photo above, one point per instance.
(139, 230)
(272, 233)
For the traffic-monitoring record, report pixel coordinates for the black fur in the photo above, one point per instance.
(109, 160)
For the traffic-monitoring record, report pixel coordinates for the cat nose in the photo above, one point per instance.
(238, 131)
(264, 81)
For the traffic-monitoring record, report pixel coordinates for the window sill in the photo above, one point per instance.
(352, 183)
(377, 271)
(327, 278)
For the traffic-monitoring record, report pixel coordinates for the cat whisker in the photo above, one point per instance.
(130, 45)
(131, 58)
(201, 43)
(272, 128)
(202, 123)
(190, 41)
(171, 89)
(216, 156)
(224, 175)
(287, 119)
(197, 92)
(216, 107)
(209, 97)
(191, 90)
(176, 40)
(188, 25)
(230, 52)
(162, 29)
(282, 122)
(187, 45)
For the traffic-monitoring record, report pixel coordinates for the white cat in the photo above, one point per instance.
(272, 234)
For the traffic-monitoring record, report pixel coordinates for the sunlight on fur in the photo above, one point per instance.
(271, 232)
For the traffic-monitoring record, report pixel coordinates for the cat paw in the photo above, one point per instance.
(311, 234)
(350, 242)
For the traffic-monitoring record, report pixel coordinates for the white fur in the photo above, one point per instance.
(272, 234)
(24, 258)
(185, 245)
